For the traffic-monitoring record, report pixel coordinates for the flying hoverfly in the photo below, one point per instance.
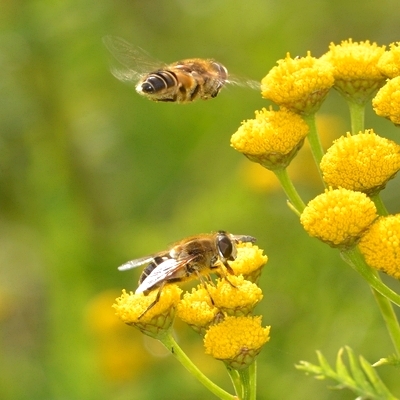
(190, 258)
(181, 82)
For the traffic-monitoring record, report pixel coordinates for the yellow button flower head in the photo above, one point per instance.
(381, 245)
(236, 340)
(364, 162)
(272, 139)
(389, 63)
(197, 310)
(386, 103)
(339, 217)
(235, 295)
(299, 84)
(356, 73)
(249, 261)
(154, 322)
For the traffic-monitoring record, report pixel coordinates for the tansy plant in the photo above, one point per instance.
(221, 312)
(349, 214)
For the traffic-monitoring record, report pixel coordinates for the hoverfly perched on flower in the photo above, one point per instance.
(190, 258)
(181, 82)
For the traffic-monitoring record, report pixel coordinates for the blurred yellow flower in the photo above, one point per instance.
(235, 295)
(363, 162)
(236, 340)
(386, 103)
(389, 63)
(381, 245)
(339, 217)
(300, 84)
(272, 139)
(131, 309)
(356, 72)
(120, 356)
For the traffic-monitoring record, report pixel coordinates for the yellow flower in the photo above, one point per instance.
(133, 309)
(249, 261)
(339, 217)
(272, 139)
(364, 162)
(386, 103)
(381, 245)
(235, 296)
(389, 63)
(356, 73)
(236, 340)
(299, 84)
(197, 310)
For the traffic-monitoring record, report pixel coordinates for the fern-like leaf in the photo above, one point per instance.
(359, 376)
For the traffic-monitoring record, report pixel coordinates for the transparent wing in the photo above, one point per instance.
(135, 61)
(161, 273)
(136, 263)
(243, 238)
(243, 82)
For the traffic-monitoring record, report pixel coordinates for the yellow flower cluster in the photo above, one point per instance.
(364, 162)
(272, 138)
(300, 84)
(381, 245)
(339, 217)
(236, 340)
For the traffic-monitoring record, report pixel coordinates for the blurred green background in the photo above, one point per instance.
(92, 175)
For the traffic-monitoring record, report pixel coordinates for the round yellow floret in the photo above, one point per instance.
(272, 138)
(386, 103)
(249, 261)
(235, 296)
(196, 309)
(381, 245)
(300, 84)
(356, 72)
(236, 340)
(133, 309)
(363, 162)
(338, 217)
(389, 63)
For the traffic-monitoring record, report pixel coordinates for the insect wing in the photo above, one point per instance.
(136, 263)
(243, 238)
(161, 273)
(136, 62)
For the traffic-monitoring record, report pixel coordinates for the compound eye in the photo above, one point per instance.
(225, 246)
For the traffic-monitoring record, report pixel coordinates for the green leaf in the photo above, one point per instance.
(359, 377)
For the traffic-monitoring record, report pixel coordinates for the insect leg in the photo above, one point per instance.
(156, 300)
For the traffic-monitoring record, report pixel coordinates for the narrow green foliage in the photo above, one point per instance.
(359, 376)
(392, 360)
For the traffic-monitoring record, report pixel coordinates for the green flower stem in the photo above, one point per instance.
(236, 381)
(382, 293)
(357, 112)
(314, 140)
(356, 260)
(249, 379)
(390, 318)
(290, 190)
(169, 342)
(379, 204)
